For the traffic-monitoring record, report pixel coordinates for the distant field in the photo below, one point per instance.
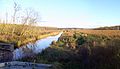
(110, 33)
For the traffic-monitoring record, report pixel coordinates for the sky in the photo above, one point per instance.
(69, 13)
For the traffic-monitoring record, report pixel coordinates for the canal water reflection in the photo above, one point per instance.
(31, 49)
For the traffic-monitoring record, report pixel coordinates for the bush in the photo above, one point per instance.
(80, 40)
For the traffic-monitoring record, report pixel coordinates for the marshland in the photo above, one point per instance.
(71, 34)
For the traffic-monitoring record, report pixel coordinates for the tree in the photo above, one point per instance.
(30, 18)
(16, 8)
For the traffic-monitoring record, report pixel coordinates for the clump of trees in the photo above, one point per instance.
(24, 17)
(16, 34)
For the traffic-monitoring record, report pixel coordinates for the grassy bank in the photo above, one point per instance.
(23, 34)
(82, 50)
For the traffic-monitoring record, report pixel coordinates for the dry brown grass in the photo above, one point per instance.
(30, 33)
(109, 33)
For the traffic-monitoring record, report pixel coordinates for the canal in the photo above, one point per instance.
(34, 48)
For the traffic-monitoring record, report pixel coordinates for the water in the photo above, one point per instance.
(31, 49)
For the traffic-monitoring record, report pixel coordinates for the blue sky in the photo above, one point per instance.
(70, 13)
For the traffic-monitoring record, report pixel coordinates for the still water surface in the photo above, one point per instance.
(37, 47)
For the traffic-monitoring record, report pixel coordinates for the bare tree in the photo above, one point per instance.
(30, 18)
(16, 8)
(33, 19)
(4, 22)
(6, 17)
